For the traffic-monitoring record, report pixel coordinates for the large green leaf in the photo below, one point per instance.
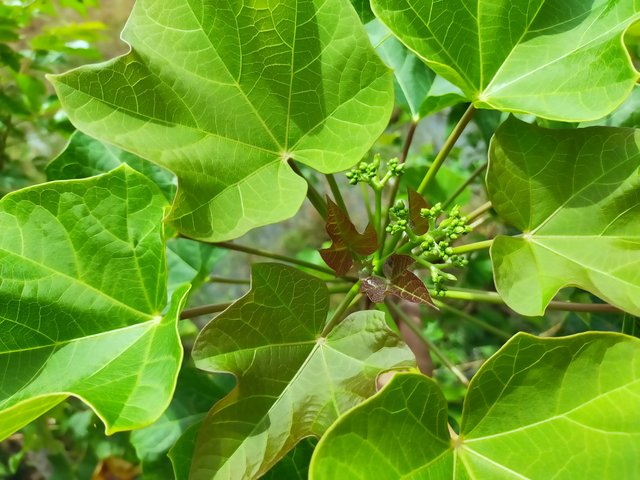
(419, 87)
(292, 381)
(86, 157)
(540, 408)
(223, 94)
(575, 195)
(195, 394)
(561, 60)
(83, 303)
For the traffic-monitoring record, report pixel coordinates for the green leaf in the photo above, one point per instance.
(628, 115)
(399, 281)
(190, 262)
(292, 381)
(86, 157)
(419, 87)
(563, 407)
(182, 452)
(347, 243)
(195, 393)
(558, 60)
(224, 95)
(575, 195)
(83, 303)
(295, 466)
(363, 8)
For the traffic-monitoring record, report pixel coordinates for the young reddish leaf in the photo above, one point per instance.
(399, 282)
(418, 224)
(347, 242)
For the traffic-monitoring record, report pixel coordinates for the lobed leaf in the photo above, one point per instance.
(292, 381)
(575, 195)
(562, 60)
(225, 94)
(560, 406)
(83, 302)
(347, 241)
(417, 86)
(86, 157)
(399, 282)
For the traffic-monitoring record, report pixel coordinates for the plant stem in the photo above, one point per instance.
(446, 149)
(484, 208)
(396, 185)
(379, 229)
(312, 194)
(432, 347)
(230, 281)
(494, 297)
(204, 310)
(353, 295)
(468, 182)
(335, 190)
(367, 201)
(472, 247)
(339, 289)
(276, 256)
(471, 319)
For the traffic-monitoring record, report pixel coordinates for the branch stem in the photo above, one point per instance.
(468, 182)
(482, 209)
(473, 320)
(494, 297)
(353, 295)
(204, 310)
(472, 247)
(229, 281)
(335, 190)
(446, 149)
(432, 347)
(312, 194)
(275, 256)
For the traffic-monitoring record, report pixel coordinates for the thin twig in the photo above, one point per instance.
(484, 208)
(446, 149)
(494, 297)
(312, 194)
(204, 310)
(335, 190)
(353, 295)
(276, 256)
(468, 182)
(432, 347)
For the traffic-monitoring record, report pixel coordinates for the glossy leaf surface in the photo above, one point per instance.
(195, 394)
(417, 86)
(224, 94)
(565, 405)
(292, 382)
(575, 195)
(86, 157)
(558, 60)
(83, 301)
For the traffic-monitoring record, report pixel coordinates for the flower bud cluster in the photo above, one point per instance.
(401, 214)
(369, 172)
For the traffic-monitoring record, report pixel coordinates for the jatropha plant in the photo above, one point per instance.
(247, 105)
